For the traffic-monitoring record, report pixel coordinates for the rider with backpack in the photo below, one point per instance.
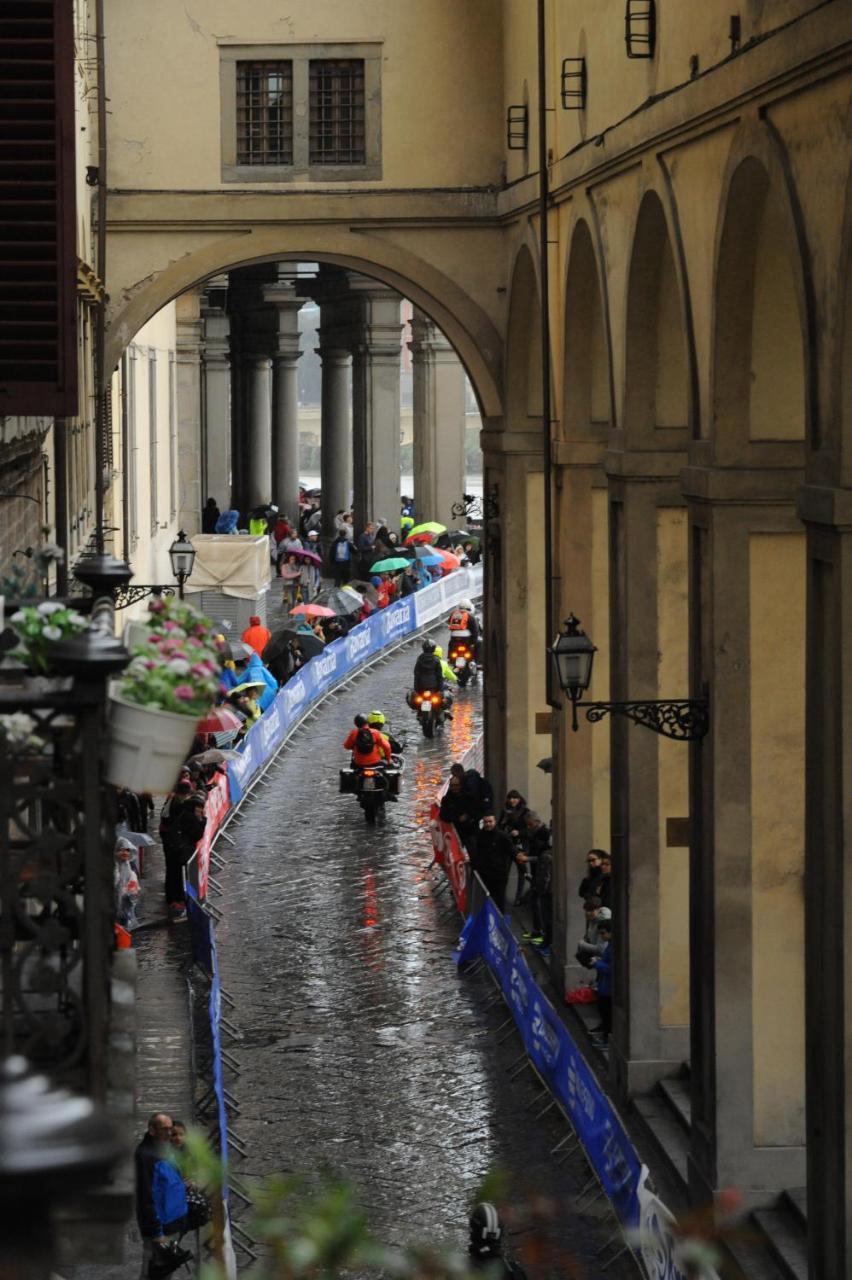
(368, 745)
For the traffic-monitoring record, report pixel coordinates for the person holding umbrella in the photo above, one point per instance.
(256, 636)
(340, 558)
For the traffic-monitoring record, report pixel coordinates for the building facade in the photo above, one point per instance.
(699, 328)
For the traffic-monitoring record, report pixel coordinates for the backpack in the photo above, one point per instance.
(364, 741)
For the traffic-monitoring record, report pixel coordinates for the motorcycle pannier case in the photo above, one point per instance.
(348, 785)
(393, 777)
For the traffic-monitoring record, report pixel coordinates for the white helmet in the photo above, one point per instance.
(465, 604)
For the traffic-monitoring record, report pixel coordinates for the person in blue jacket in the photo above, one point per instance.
(255, 670)
(168, 1192)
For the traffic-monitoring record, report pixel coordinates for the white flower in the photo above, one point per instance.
(50, 606)
(20, 616)
(179, 666)
(77, 620)
(52, 633)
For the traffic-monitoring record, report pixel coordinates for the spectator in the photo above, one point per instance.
(187, 831)
(512, 818)
(604, 889)
(160, 1193)
(492, 859)
(340, 558)
(476, 786)
(290, 573)
(591, 945)
(539, 853)
(256, 636)
(459, 808)
(209, 516)
(603, 965)
(365, 547)
(407, 582)
(227, 522)
(471, 552)
(126, 881)
(591, 880)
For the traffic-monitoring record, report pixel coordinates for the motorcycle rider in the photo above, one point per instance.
(376, 720)
(428, 671)
(486, 1244)
(446, 670)
(369, 747)
(464, 625)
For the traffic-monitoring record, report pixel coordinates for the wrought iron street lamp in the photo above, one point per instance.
(182, 556)
(572, 652)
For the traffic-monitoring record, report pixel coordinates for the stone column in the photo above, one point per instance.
(216, 394)
(651, 1005)
(375, 402)
(259, 477)
(285, 398)
(439, 422)
(336, 427)
(189, 329)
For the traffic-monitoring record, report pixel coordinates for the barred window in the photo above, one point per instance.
(264, 113)
(336, 91)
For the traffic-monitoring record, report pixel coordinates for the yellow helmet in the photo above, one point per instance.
(375, 717)
(439, 652)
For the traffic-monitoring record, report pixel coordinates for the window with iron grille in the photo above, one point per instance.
(132, 512)
(265, 113)
(301, 112)
(172, 436)
(336, 107)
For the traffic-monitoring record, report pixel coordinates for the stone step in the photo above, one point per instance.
(785, 1238)
(666, 1133)
(796, 1201)
(676, 1092)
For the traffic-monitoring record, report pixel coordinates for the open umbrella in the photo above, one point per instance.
(365, 589)
(390, 565)
(213, 756)
(546, 765)
(248, 684)
(459, 536)
(430, 526)
(307, 557)
(311, 611)
(219, 720)
(339, 600)
(448, 560)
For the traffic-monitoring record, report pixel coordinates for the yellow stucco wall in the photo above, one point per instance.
(673, 777)
(777, 660)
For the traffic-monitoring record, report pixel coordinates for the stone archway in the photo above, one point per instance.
(139, 289)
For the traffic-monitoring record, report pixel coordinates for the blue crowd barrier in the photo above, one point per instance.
(557, 1059)
(338, 660)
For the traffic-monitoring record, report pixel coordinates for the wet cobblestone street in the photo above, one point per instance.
(363, 1049)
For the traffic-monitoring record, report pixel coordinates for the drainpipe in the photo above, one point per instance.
(544, 294)
(101, 379)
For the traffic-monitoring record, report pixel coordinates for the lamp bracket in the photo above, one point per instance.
(684, 719)
(133, 592)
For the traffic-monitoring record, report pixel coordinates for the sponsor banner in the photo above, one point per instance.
(200, 931)
(449, 855)
(659, 1242)
(558, 1061)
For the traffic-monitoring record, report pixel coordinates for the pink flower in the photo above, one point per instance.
(200, 669)
(184, 692)
(168, 625)
(157, 606)
(150, 665)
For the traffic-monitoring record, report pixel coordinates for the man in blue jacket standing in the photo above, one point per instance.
(160, 1192)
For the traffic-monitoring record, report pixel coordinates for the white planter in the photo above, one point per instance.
(146, 748)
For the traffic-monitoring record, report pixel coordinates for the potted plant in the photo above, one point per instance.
(39, 627)
(168, 687)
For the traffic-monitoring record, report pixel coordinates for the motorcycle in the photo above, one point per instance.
(429, 709)
(373, 786)
(462, 658)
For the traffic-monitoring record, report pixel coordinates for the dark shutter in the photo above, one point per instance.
(38, 260)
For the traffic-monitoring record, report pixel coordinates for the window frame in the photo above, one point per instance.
(301, 55)
(153, 440)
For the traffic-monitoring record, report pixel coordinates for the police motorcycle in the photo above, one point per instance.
(373, 785)
(427, 700)
(461, 651)
(430, 709)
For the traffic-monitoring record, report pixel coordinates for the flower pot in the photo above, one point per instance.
(146, 748)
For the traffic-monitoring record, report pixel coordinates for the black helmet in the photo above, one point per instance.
(486, 1229)
(428, 646)
(360, 721)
